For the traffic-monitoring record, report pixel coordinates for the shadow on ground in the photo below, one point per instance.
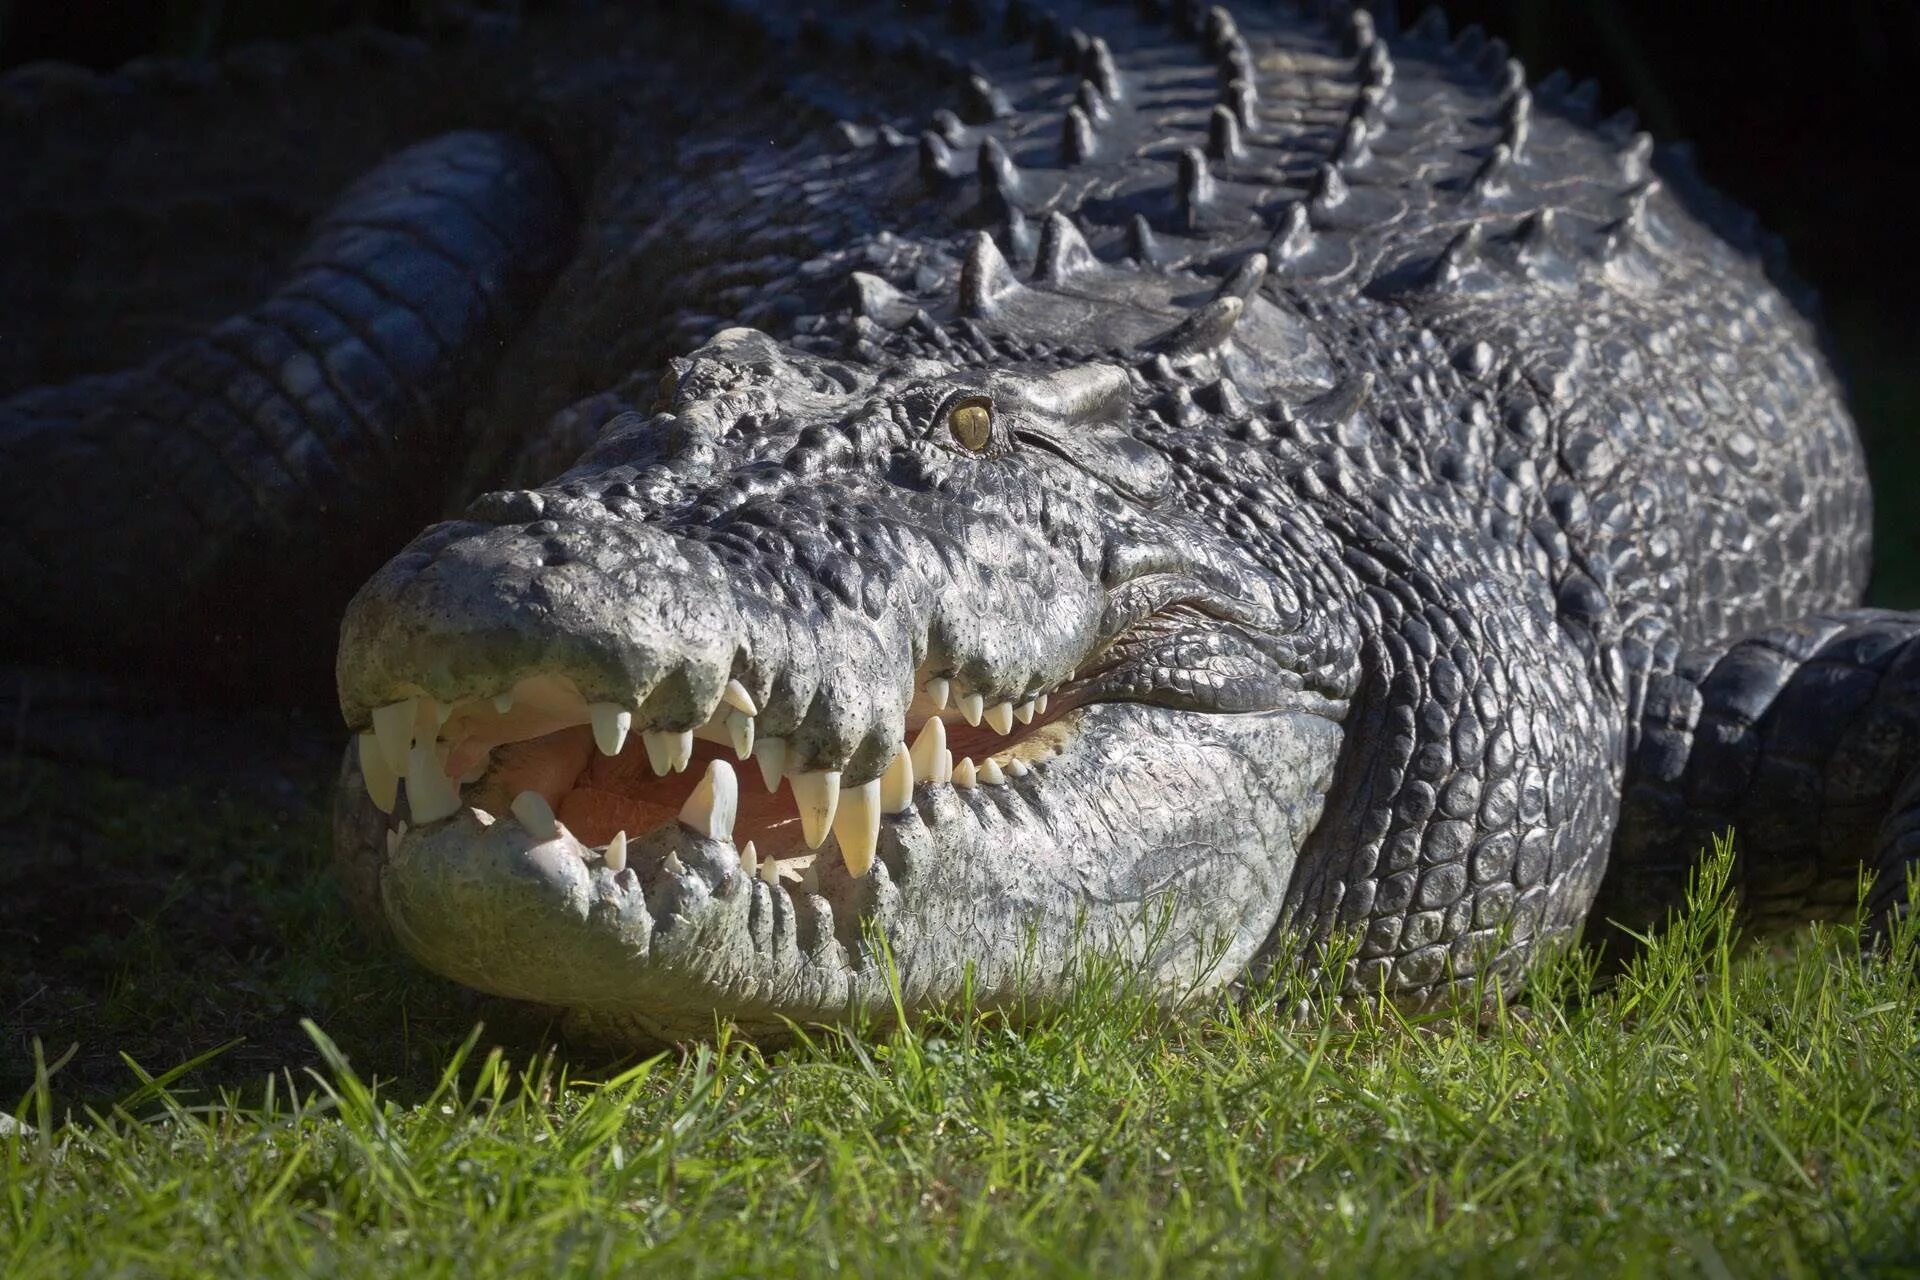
(178, 900)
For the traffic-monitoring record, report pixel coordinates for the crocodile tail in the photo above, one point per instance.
(222, 496)
(145, 203)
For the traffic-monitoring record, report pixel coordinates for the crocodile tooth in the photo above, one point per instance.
(990, 774)
(682, 747)
(439, 711)
(971, 706)
(817, 793)
(1040, 703)
(430, 793)
(1017, 768)
(856, 826)
(393, 842)
(393, 729)
(383, 785)
(999, 717)
(740, 732)
(617, 852)
(482, 817)
(1024, 712)
(768, 871)
(503, 702)
(928, 747)
(673, 866)
(659, 751)
(536, 815)
(771, 755)
(964, 774)
(610, 726)
(736, 696)
(714, 804)
(896, 784)
(749, 860)
(937, 690)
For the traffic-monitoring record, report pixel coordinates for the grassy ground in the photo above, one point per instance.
(1713, 1112)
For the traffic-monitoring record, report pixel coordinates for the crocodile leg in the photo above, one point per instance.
(1805, 741)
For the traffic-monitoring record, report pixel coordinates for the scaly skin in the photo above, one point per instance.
(1354, 446)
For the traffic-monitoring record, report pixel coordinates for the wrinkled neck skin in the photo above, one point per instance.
(1024, 679)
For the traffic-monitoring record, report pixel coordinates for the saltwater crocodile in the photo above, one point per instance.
(1236, 488)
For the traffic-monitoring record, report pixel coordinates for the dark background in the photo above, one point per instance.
(1803, 111)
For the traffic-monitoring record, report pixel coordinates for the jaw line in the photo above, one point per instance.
(1142, 810)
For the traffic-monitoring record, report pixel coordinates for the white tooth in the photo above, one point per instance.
(1024, 712)
(431, 795)
(749, 860)
(610, 726)
(736, 695)
(477, 770)
(771, 755)
(810, 878)
(1000, 717)
(1040, 703)
(682, 744)
(673, 866)
(402, 827)
(383, 784)
(617, 852)
(1017, 768)
(963, 773)
(971, 706)
(482, 817)
(714, 804)
(856, 825)
(817, 793)
(440, 711)
(393, 842)
(990, 774)
(937, 690)
(503, 702)
(659, 751)
(928, 746)
(896, 784)
(943, 768)
(393, 728)
(740, 732)
(536, 815)
(769, 871)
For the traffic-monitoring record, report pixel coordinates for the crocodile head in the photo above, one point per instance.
(819, 653)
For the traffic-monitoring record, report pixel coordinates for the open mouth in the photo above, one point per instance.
(540, 755)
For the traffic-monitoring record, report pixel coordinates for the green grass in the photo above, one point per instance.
(1717, 1110)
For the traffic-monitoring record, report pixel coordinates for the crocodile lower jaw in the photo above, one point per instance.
(1164, 835)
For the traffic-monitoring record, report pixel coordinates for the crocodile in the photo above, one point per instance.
(932, 493)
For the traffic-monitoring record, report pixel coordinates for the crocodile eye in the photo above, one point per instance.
(971, 422)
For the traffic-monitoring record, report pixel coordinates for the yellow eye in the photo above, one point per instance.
(971, 424)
